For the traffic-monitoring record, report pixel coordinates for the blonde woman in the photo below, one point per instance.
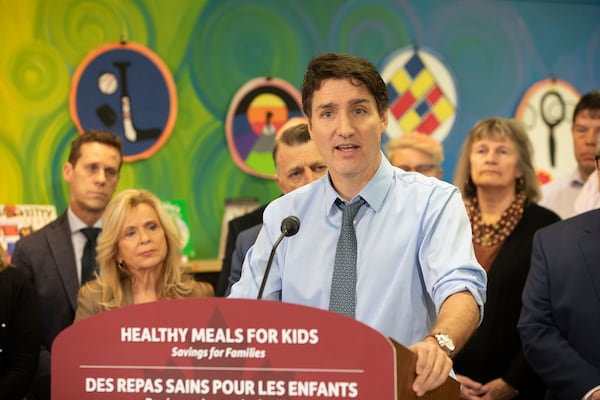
(139, 258)
(499, 187)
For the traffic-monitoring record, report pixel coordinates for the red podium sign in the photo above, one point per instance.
(208, 349)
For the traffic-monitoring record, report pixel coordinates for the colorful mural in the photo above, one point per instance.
(125, 88)
(212, 48)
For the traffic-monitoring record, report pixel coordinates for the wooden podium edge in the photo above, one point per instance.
(406, 362)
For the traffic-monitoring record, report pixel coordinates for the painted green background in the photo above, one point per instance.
(496, 50)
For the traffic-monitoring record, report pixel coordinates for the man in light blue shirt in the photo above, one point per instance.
(417, 276)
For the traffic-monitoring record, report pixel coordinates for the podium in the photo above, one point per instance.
(217, 349)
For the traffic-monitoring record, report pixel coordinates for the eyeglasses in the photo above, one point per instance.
(420, 168)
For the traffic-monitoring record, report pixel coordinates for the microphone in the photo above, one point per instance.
(289, 227)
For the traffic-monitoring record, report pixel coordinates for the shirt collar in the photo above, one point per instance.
(76, 224)
(576, 179)
(374, 191)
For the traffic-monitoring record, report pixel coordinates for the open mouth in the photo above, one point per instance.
(346, 147)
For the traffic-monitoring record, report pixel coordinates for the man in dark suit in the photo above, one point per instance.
(297, 162)
(234, 228)
(244, 241)
(560, 318)
(51, 257)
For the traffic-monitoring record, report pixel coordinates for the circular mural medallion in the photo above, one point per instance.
(546, 110)
(422, 94)
(256, 113)
(126, 89)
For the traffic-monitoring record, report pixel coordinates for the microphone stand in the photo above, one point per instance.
(289, 227)
(266, 275)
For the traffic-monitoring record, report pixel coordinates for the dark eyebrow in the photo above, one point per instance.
(295, 168)
(323, 106)
(358, 101)
(352, 102)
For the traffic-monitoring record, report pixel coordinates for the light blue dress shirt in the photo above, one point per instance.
(414, 250)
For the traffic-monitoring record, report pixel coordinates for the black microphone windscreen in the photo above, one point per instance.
(290, 225)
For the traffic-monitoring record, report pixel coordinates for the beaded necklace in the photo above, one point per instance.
(488, 235)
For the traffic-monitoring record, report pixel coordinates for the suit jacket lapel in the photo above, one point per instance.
(590, 248)
(61, 247)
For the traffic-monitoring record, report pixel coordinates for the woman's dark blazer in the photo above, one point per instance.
(494, 350)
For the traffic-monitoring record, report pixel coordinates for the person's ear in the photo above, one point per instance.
(68, 171)
(384, 120)
(519, 172)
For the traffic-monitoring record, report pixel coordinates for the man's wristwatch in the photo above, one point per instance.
(444, 341)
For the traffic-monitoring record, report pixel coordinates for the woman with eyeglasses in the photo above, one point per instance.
(139, 257)
(500, 189)
(416, 152)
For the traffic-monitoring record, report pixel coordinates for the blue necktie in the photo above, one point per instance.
(88, 259)
(343, 282)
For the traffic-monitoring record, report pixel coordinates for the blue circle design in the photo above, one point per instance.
(140, 80)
